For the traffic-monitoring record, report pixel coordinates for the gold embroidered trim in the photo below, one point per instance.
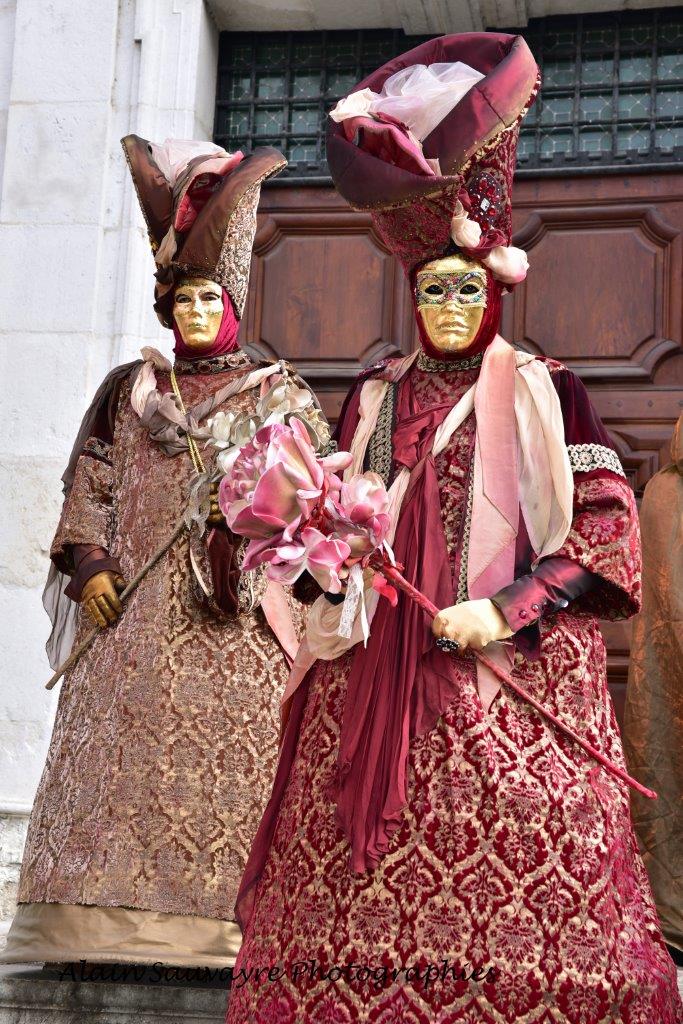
(425, 362)
(493, 142)
(234, 259)
(462, 593)
(212, 364)
(380, 452)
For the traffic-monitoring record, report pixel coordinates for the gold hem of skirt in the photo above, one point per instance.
(67, 933)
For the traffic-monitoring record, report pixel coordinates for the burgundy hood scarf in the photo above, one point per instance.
(226, 339)
(487, 329)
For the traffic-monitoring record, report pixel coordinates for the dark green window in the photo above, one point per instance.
(612, 92)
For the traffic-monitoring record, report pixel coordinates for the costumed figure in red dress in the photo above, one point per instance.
(434, 850)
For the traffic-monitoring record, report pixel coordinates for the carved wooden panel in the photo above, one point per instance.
(325, 293)
(610, 272)
(604, 295)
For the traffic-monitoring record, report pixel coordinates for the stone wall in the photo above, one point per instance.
(75, 293)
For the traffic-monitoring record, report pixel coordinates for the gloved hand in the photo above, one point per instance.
(472, 624)
(100, 596)
(216, 517)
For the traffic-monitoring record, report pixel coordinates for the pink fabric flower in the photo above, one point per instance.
(363, 521)
(323, 557)
(380, 584)
(465, 233)
(276, 482)
(363, 497)
(507, 263)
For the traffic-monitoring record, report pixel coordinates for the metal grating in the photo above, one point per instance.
(612, 92)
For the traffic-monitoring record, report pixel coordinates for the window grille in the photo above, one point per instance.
(612, 93)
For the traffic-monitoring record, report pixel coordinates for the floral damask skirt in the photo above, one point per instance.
(513, 890)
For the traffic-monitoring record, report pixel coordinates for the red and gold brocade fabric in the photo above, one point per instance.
(515, 858)
(165, 738)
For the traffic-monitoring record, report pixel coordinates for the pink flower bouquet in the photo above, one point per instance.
(295, 510)
(299, 515)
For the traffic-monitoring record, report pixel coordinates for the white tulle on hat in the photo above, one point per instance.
(173, 155)
(419, 96)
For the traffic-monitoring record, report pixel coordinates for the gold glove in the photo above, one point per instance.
(216, 517)
(100, 596)
(472, 624)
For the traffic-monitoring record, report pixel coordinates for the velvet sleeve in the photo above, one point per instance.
(80, 547)
(604, 537)
(551, 587)
(348, 416)
(597, 569)
(86, 517)
(89, 559)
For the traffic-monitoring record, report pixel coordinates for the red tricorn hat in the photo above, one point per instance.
(451, 188)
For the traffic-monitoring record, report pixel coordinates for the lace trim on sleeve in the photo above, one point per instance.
(584, 458)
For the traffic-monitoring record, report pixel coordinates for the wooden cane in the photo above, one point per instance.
(391, 573)
(134, 583)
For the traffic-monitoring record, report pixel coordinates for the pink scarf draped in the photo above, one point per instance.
(226, 339)
(495, 513)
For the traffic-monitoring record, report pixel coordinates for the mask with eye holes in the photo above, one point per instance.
(458, 306)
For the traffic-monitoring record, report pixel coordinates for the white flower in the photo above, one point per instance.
(317, 426)
(356, 104)
(226, 459)
(465, 233)
(221, 426)
(507, 263)
(229, 428)
(281, 400)
(245, 428)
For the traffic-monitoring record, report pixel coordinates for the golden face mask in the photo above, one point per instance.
(451, 299)
(198, 311)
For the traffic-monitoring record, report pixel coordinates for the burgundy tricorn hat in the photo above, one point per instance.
(466, 164)
(199, 203)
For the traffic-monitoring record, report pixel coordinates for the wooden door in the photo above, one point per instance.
(603, 295)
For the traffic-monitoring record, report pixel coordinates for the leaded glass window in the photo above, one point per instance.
(612, 91)
(276, 88)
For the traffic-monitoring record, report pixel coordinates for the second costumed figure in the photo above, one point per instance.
(426, 825)
(165, 738)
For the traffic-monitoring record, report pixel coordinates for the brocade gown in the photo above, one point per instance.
(165, 739)
(653, 716)
(515, 858)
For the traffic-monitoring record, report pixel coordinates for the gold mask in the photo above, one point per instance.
(198, 311)
(451, 299)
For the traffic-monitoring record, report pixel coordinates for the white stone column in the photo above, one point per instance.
(75, 292)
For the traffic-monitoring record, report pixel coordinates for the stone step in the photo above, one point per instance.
(31, 995)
